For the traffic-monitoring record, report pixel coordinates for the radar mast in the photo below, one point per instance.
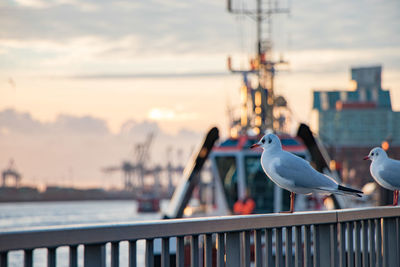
(258, 104)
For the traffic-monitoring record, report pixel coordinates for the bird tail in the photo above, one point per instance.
(350, 191)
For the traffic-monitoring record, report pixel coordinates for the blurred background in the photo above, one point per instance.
(104, 103)
(91, 89)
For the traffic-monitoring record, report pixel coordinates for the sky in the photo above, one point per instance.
(81, 71)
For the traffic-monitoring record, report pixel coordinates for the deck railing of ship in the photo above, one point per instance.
(353, 237)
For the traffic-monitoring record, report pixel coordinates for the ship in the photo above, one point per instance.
(236, 173)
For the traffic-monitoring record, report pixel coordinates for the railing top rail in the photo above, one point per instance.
(102, 233)
(357, 214)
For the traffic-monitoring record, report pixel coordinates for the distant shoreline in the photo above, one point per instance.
(64, 200)
(52, 193)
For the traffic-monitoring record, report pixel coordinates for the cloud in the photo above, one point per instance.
(46, 152)
(92, 55)
(40, 4)
(32, 3)
(167, 114)
(140, 129)
(170, 25)
(15, 122)
(114, 36)
(80, 125)
(344, 24)
(332, 60)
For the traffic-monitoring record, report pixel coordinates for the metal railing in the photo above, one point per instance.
(353, 237)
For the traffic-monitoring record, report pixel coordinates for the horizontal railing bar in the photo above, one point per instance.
(93, 234)
(367, 213)
(102, 233)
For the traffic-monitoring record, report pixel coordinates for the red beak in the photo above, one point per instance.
(366, 158)
(254, 145)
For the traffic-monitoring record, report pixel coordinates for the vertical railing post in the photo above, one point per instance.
(322, 245)
(364, 239)
(298, 259)
(149, 261)
(3, 259)
(73, 256)
(165, 252)
(246, 249)
(257, 249)
(220, 250)
(268, 247)
(201, 250)
(94, 255)
(398, 238)
(342, 244)
(114, 254)
(233, 249)
(379, 253)
(372, 249)
(288, 246)
(307, 246)
(51, 257)
(350, 254)
(132, 253)
(194, 251)
(28, 258)
(208, 250)
(180, 251)
(357, 244)
(390, 249)
(278, 248)
(334, 245)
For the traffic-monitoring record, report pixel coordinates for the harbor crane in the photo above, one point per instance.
(11, 172)
(136, 168)
(142, 157)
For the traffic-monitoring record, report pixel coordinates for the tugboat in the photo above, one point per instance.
(235, 169)
(238, 185)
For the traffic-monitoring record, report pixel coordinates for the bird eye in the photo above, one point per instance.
(263, 141)
(269, 140)
(372, 154)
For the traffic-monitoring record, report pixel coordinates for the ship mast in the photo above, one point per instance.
(261, 100)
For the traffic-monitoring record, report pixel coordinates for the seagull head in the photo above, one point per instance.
(268, 141)
(375, 154)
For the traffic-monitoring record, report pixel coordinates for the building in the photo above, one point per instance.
(351, 122)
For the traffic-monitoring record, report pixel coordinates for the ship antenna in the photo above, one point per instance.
(263, 65)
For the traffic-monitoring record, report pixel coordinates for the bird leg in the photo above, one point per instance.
(395, 197)
(291, 204)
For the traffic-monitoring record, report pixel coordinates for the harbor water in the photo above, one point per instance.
(26, 215)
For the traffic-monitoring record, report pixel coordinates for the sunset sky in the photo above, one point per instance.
(97, 66)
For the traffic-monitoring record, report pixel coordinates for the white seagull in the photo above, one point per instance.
(385, 171)
(294, 173)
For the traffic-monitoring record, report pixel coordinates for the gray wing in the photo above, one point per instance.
(391, 172)
(302, 174)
